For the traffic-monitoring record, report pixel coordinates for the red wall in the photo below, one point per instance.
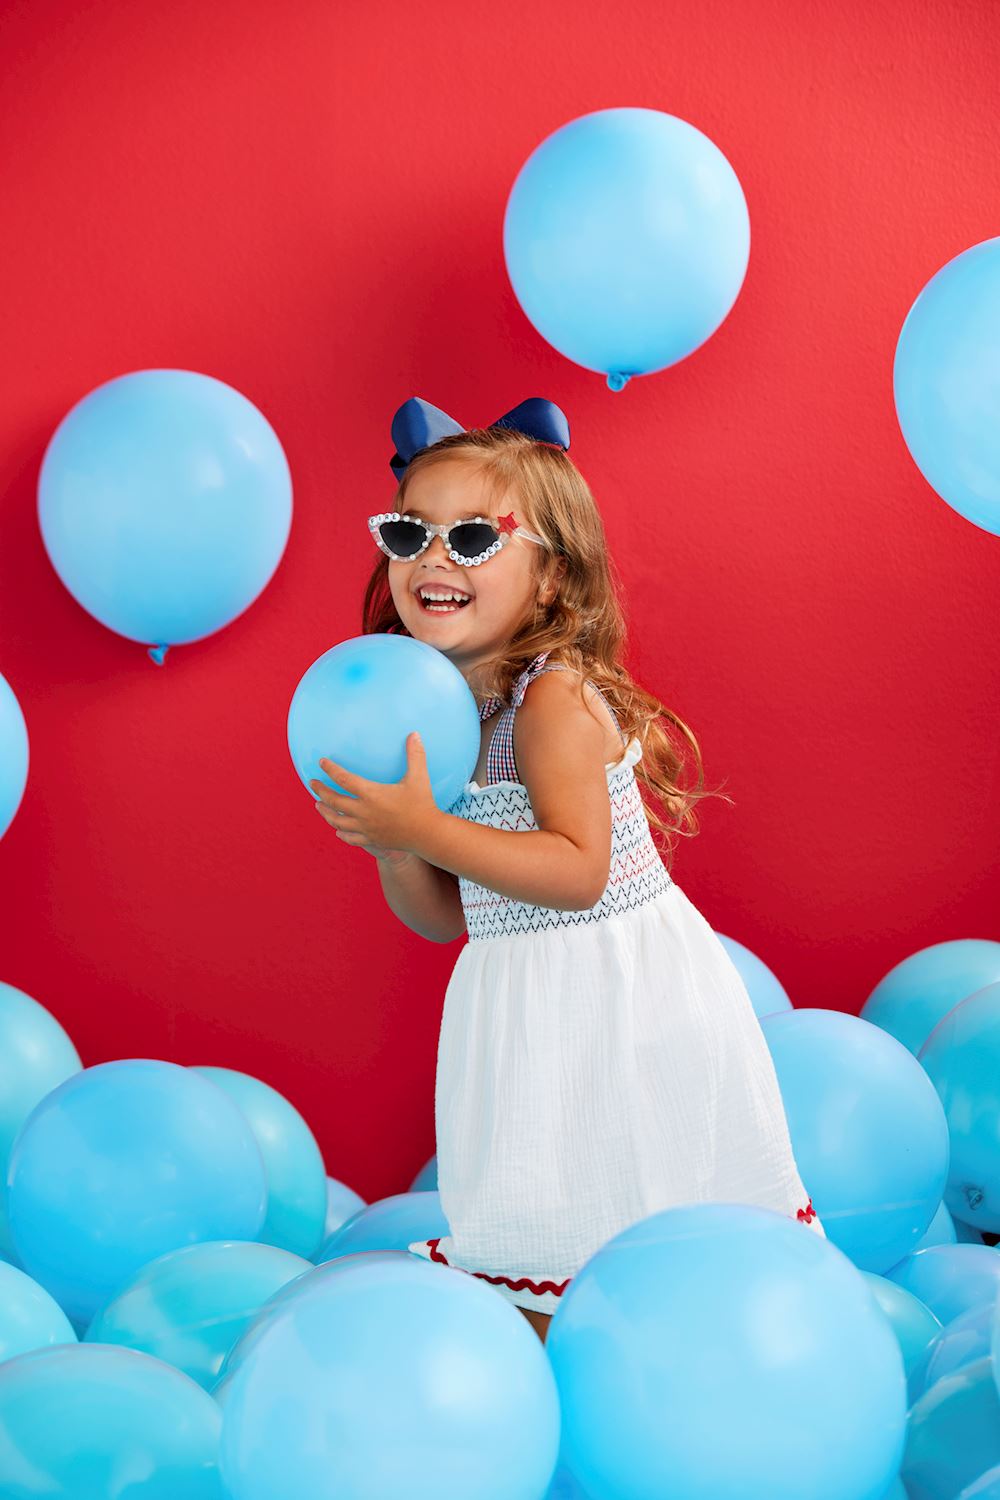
(306, 200)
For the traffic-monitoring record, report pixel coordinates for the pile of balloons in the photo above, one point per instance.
(191, 1306)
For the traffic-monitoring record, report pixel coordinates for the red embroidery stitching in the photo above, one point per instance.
(523, 1283)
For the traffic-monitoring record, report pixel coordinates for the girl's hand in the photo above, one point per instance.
(391, 819)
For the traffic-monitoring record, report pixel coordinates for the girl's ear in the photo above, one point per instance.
(555, 577)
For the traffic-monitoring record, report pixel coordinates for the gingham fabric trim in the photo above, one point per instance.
(500, 762)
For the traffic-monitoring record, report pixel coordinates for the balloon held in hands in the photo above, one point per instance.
(358, 702)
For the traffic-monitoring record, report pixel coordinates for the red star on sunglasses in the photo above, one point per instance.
(508, 522)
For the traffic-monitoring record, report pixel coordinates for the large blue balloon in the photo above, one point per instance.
(767, 994)
(35, 1056)
(626, 236)
(29, 1317)
(718, 1349)
(388, 1224)
(13, 755)
(918, 992)
(121, 1163)
(867, 1129)
(962, 1059)
(950, 1279)
(953, 1434)
(357, 703)
(165, 502)
(92, 1422)
(946, 386)
(296, 1176)
(190, 1306)
(966, 1338)
(390, 1377)
(915, 1326)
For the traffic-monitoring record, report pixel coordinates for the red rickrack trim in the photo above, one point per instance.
(807, 1214)
(523, 1283)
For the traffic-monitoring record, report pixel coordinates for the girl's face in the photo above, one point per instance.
(499, 592)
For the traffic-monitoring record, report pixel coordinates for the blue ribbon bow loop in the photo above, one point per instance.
(417, 425)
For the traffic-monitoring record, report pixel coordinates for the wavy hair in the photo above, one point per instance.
(584, 626)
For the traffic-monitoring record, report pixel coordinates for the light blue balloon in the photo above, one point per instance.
(342, 1203)
(965, 1234)
(390, 1223)
(950, 1279)
(255, 1330)
(426, 1180)
(296, 1176)
(399, 1379)
(35, 1056)
(29, 1317)
(165, 503)
(190, 1306)
(962, 1059)
(986, 1487)
(357, 703)
(867, 1129)
(13, 755)
(940, 1231)
(702, 1346)
(966, 1338)
(766, 991)
(946, 387)
(626, 237)
(565, 1486)
(915, 1326)
(912, 998)
(122, 1163)
(953, 1434)
(92, 1422)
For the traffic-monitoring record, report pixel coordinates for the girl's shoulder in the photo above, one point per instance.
(556, 701)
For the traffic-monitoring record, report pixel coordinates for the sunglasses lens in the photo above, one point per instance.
(404, 538)
(470, 538)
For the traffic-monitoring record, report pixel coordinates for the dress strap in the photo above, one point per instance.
(500, 762)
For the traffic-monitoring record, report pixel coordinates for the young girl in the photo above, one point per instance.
(599, 1057)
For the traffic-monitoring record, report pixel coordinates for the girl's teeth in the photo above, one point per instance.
(444, 604)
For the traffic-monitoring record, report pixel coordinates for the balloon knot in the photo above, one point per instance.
(618, 380)
(157, 653)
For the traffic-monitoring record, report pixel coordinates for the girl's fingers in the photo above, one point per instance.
(327, 793)
(346, 779)
(334, 799)
(332, 816)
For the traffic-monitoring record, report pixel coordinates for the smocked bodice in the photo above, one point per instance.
(637, 874)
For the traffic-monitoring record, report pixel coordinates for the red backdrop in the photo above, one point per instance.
(306, 201)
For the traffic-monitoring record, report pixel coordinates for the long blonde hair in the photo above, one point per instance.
(583, 627)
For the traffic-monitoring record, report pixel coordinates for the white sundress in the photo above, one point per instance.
(593, 1067)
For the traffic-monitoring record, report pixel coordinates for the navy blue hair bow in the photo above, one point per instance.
(417, 425)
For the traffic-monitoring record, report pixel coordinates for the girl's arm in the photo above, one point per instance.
(560, 747)
(424, 899)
